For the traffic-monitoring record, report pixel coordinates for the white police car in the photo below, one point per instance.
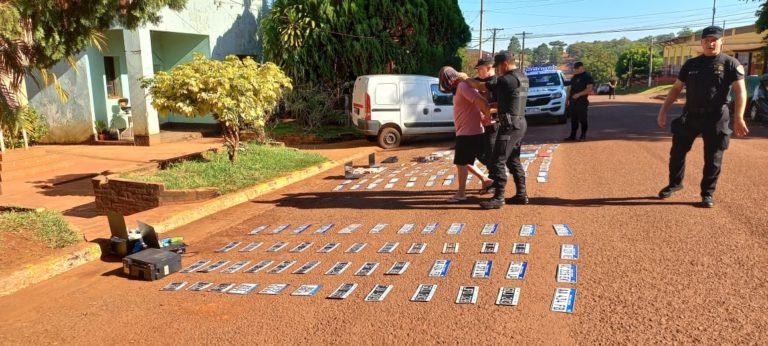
(546, 93)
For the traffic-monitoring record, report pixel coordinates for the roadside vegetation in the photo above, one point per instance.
(329, 133)
(255, 164)
(46, 226)
(644, 90)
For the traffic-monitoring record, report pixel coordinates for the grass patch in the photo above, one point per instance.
(256, 164)
(644, 89)
(328, 132)
(46, 226)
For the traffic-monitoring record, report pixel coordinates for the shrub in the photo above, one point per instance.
(310, 105)
(28, 119)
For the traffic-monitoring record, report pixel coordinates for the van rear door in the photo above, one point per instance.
(358, 99)
(385, 99)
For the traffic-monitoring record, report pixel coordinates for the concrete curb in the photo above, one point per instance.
(34, 273)
(229, 200)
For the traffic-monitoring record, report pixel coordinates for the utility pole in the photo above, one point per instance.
(629, 78)
(713, 11)
(493, 50)
(481, 30)
(522, 51)
(650, 63)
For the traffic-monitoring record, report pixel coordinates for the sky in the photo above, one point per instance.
(578, 20)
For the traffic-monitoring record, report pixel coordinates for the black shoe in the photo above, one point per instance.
(493, 203)
(582, 138)
(569, 139)
(668, 191)
(707, 202)
(518, 199)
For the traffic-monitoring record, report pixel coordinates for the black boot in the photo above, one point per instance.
(518, 199)
(496, 202)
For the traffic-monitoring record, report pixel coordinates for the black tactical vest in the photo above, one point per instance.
(520, 94)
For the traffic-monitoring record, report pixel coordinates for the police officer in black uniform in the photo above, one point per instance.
(511, 91)
(484, 75)
(577, 102)
(707, 78)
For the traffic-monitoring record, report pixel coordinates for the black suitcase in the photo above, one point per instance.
(151, 264)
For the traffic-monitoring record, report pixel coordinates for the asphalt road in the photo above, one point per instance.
(650, 271)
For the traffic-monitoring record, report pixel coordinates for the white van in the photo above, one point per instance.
(546, 93)
(388, 107)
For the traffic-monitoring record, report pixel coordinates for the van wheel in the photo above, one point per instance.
(389, 137)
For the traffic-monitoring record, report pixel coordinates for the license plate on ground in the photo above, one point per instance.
(439, 268)
(564, 300)
(424, 293)
(569, 251)
(516, 270)
(566, 273)
(467, 295)
(508, 296)
(563, 230)
(343, 291)
(482, 269)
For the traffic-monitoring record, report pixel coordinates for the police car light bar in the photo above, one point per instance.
(540, 69)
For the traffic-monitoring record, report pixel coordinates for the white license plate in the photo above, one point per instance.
(564, 300)
(532, 109)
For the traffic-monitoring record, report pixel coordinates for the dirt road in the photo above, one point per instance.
(649, 272)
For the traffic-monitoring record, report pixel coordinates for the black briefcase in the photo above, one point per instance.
(151, 264)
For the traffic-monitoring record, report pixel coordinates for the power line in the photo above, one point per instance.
(634, 29)
(677, 17)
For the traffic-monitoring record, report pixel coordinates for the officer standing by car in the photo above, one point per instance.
(577, 102)
(707, 79)
(511, 91)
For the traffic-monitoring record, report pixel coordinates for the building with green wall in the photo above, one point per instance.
(102, 77)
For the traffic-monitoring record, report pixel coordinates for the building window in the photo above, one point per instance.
(113, 83)
(756, 63)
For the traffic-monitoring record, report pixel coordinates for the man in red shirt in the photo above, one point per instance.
(469, 109)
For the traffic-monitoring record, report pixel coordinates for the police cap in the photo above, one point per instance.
(714, 31)
(482, 62)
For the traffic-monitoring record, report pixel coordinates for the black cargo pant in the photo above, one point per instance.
(506, 154)
(578, 112)
(714, 130)
(489, 141)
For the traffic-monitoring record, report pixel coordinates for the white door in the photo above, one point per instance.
(416, 107)
(386, 103)
(441, 109)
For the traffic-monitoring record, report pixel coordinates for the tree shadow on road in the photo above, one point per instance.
(601, 202)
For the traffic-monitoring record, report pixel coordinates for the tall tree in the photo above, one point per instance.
(556, 53)
(762, 18)
(528, 54)
(330, 42)
(514, 46)
(685, 31)
(540, 55)
(639, 56)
